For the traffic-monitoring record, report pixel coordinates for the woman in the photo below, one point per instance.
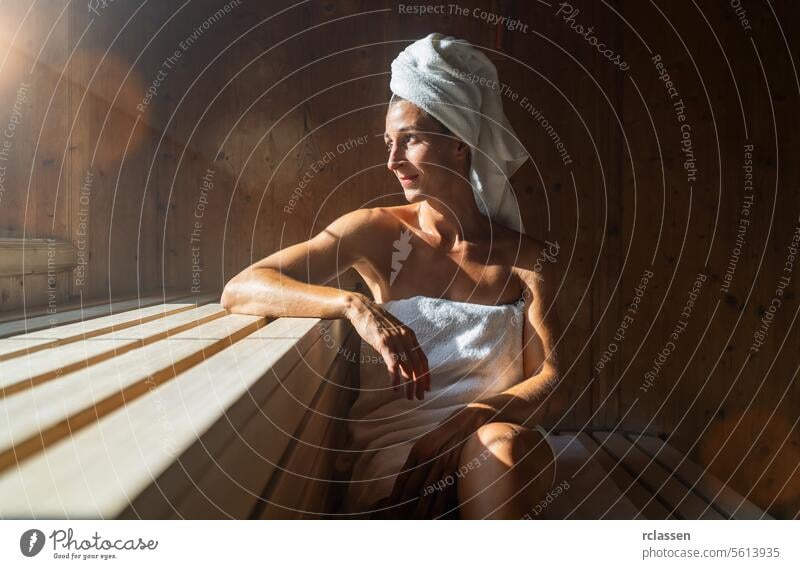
(462, 283)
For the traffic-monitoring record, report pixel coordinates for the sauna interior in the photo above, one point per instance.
(152, 150)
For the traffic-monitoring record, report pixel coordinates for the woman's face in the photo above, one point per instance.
(425, 160)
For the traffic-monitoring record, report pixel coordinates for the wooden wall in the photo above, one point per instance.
(203, 181)
(34, 131)
(730, 403)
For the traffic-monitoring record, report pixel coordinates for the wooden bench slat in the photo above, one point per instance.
(324, 497)
(56, 409)
(290, 327)
(26, 372)
(122, 455)
(318, 492)
(297, 481)
(704, 483)
(589, 496)
(630, 487)
(32, 324)
(161, 296)
(25, 344)
(159, 499)
(294, 490)
(234, 482)
(42, 309)
(163, 410)
(683, 502)
(116, 320)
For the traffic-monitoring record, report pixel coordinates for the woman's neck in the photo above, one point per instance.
(452, 221)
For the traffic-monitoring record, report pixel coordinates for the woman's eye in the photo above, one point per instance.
(403, 142)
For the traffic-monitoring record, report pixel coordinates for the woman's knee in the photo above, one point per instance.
(509, 443)
(499, 461)
(498, 439)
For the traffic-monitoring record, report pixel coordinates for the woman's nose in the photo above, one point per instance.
(395, 159)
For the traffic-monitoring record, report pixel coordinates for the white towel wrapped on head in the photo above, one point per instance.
(474, 351)
(458, 85)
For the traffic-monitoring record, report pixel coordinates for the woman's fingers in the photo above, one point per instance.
(425, 369)
(402, 365)
(389, 357)
(410, 381)
(422, 381)
(426, 372)
(410, 352)
(412, 372)
(418, 359)
(404, 358)
(416, 365)
(388, 348)
(406, 369)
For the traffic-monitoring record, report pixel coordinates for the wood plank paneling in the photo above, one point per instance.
(258, 109)
(183, 417)
(645, 502)
(583, 490)
(658, 480)
(67, 314)
(35, 341)
(701, 482)
(232, 485)
(78, 399)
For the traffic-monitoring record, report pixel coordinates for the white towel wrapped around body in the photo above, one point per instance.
(458, 85)
(474, 351)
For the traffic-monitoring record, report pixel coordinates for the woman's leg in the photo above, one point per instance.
(507, 470)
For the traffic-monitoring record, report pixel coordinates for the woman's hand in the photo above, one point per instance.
(395, 342)
(429, 471)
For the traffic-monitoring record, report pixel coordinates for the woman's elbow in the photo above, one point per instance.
(228, 297)
(240, 293)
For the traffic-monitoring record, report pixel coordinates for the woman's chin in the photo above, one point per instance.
(414, 195)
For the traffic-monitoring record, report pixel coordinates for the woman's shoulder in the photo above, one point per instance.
(538, 260)
(371, 218)
(373, 227)
(524, 252)
(397, 213)
(388, 220)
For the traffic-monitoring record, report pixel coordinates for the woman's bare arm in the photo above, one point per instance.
(523, 403)
(288, 282)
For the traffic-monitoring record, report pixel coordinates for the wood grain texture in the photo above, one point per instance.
(23, 373)
(657, 479)
(77, 400)
(259, 109)
(191, 416)
(648, 506)
(588, 494)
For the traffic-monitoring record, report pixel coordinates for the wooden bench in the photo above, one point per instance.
(615, 475)
(179, 410)
(173, 410)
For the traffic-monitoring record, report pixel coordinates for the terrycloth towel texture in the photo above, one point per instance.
(457, 84)
(473, 351)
